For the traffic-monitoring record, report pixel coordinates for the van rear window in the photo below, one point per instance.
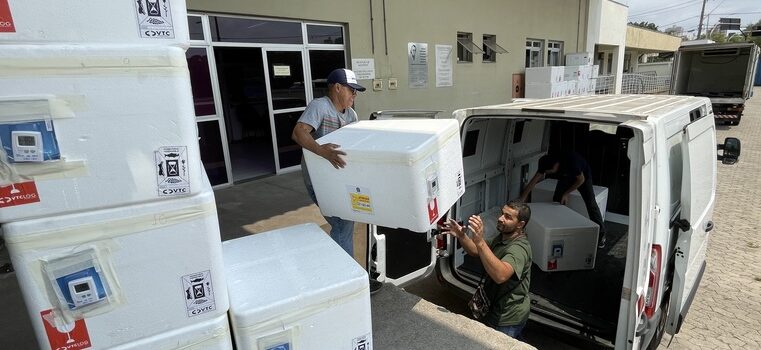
(471, 141)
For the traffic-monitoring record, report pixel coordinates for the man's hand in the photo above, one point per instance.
(453, 228)
(477, 226)
(331, 152)
(564, 199)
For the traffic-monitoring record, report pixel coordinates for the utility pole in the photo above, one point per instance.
(700, 26)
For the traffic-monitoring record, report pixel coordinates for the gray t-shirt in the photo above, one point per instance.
(322, 115)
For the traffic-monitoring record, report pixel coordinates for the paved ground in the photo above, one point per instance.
(726, 313)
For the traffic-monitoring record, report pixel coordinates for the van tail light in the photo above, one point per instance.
(651, 297)
(441, 242)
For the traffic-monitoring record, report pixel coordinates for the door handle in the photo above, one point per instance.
(709, 226)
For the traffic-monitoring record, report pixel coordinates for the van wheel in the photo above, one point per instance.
(661, 328)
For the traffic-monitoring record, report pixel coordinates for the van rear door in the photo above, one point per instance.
(697, 202)
(641, 151)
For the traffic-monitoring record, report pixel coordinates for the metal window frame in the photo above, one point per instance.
(305, 47)
(530, 47)
(492, 44)
(468, 44)
(559, 51)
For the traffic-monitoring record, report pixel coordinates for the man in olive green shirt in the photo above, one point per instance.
(507, 261)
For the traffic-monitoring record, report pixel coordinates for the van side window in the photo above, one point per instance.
(518, 134)
(471, 141)
(695, 115)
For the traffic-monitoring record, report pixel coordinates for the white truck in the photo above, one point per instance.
(722, 72)
(656, 155)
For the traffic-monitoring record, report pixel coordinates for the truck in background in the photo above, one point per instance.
(722, 72)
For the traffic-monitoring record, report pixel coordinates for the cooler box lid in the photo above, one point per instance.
(405, 141)
(287, 271)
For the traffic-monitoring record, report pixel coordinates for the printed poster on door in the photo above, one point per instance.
(199, 293)
(172, 171)
(154, 18)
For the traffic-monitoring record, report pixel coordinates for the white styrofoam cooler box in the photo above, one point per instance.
(399, 173)
(295, 287)
(213, 334)
(543, 192)
(550, 90)
(561, 239)
(160, 22)
(118, 113)
(544, 75)
(158, 252)
(579, 59)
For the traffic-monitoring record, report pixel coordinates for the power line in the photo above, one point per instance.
(667, 8)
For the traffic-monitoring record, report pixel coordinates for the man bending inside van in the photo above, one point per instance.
(507, 261)
(573, 173)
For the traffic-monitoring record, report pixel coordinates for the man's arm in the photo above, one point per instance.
(302, 134)
(579, 180)
(498, 270)
(530, 186)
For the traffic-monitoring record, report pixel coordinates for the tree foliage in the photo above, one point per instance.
(646, 25)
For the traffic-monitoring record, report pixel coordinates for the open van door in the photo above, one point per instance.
(632, 321)
(697, 202)
(400, 256)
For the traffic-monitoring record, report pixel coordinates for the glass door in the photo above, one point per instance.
(288, 97)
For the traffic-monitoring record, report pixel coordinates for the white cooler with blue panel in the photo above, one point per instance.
(91, 127)
(561, 239)
(544, 190)
(399, 173)
(295, 288)
(140, 274)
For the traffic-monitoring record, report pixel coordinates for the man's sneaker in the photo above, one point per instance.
(375, 286)
(601, 242)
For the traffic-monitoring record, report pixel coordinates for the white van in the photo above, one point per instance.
(655, 154)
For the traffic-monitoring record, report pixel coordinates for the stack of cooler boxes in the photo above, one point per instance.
(104, 204)
(577, 77)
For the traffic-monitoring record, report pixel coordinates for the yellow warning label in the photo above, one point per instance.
(361, 202)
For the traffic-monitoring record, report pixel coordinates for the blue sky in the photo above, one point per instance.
(686, 13)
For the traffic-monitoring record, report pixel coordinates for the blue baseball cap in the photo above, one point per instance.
(345, 77)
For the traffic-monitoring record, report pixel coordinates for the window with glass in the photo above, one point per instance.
(200, 81)
(534, 50)
(195, 27)
(466, 48)
(491, 48)
(249, 30)
(324, 34)
(321, 63)
(555, 53)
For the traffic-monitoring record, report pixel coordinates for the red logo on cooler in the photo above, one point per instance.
(552, 264)
(71, 336)
(433, 210)
(18, 194)
(6, 20)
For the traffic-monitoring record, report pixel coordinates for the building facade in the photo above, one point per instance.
(256, 64)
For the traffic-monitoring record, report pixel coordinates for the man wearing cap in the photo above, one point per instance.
(322, 116)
